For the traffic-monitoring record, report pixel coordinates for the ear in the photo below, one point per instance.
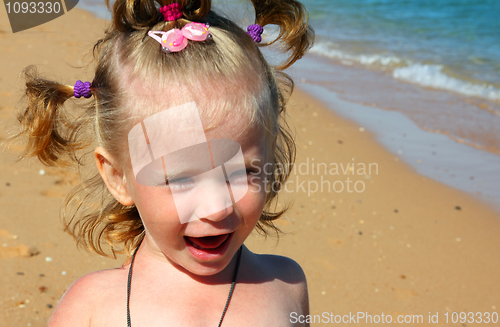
(112, 176)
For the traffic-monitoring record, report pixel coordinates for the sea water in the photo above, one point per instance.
(448, 44)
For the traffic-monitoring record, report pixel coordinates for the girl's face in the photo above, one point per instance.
(206, 245)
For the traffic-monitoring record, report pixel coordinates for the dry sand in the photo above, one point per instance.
(405, 245)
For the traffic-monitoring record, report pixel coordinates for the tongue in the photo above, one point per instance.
(208, 242)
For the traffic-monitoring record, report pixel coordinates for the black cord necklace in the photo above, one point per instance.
(129, 282)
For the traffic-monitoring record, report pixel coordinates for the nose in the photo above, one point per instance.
(218, 216)
(213, 198)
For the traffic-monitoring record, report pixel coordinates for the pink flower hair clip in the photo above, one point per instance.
(175, 40)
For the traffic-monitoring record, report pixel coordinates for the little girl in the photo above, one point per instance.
(186, 113)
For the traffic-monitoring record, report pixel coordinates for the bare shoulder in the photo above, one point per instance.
(284, 273)
(85, 295)
(280, 267)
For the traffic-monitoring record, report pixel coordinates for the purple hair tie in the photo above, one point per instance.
(171, 12)
(82, 89)
(255, 31)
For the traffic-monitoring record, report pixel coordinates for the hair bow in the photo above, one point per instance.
(175, 40)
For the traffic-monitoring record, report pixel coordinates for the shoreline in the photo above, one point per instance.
(337, 77)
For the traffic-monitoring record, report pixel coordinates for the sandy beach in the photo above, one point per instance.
(372, 235)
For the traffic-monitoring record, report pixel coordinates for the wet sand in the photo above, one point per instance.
(391, 241)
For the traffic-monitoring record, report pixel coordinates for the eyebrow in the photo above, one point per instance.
(180, 172)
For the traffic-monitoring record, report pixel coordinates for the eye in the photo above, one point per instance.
(181, 184)
(238, 175)
(242, 175)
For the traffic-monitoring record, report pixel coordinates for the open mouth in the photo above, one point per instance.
(208, 243)
(208, 248)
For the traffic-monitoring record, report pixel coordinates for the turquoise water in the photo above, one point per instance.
(449, 44)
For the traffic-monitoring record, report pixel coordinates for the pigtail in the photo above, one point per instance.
(133, 15)
(292, 19)
(130, 15)
(297, 37)
(195, 10)
(51, 133)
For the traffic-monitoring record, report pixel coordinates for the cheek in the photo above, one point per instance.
(155, 205)
(252, 204)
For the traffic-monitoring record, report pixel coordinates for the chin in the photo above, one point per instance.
(205, 269)
(211, 267)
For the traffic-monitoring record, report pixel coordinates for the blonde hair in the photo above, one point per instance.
(127, 55)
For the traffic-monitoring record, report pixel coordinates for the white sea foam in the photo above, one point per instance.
(330, 50)
(432, 76)
(416, 73)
